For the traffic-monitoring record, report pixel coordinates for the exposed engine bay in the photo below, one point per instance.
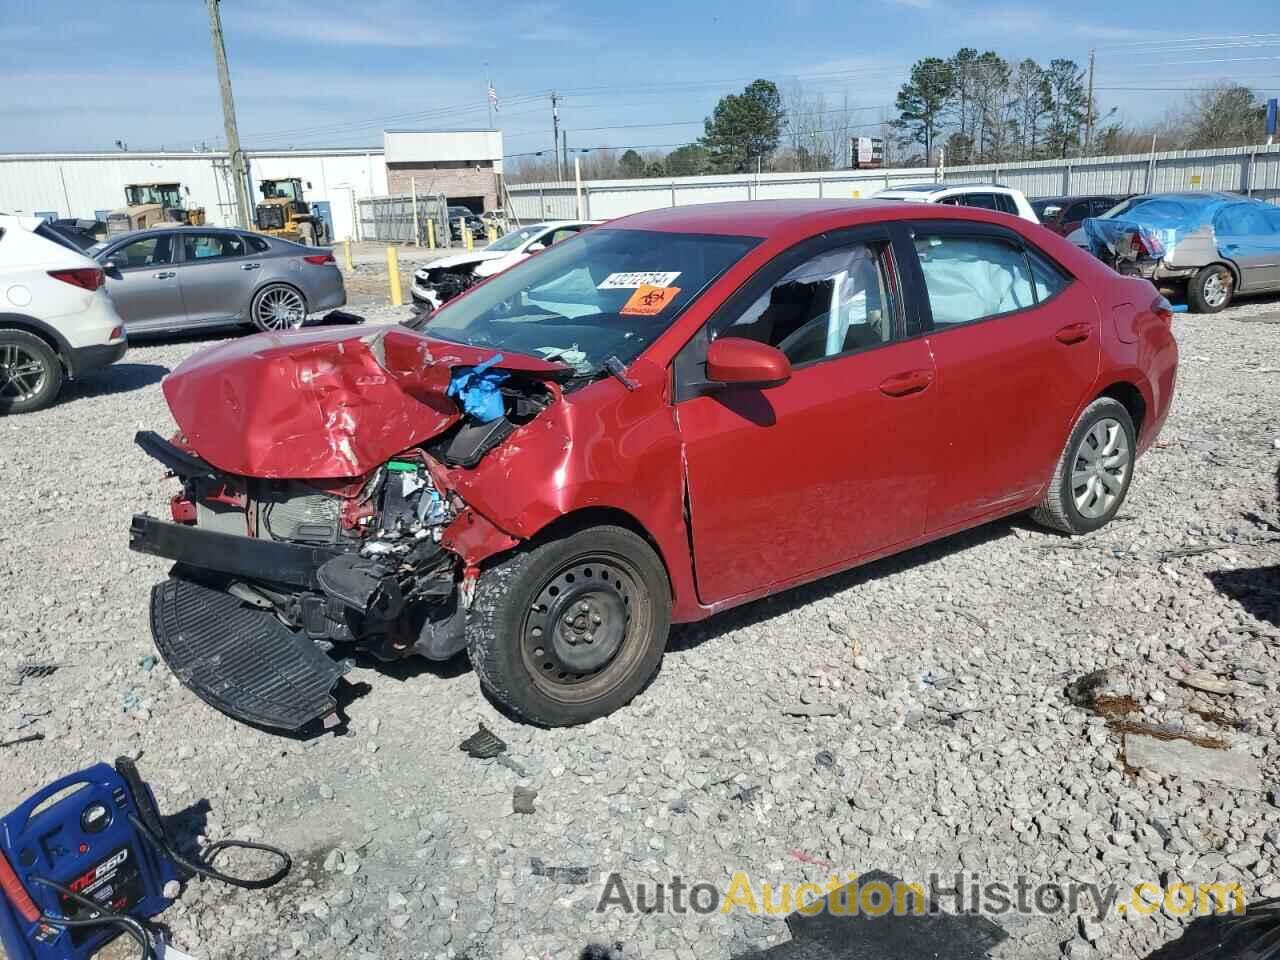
(362, 562)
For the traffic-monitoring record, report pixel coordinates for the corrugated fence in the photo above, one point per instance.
(1254, 171)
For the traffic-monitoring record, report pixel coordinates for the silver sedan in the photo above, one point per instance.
(181, 278)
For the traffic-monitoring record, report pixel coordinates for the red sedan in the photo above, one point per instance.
(669, 415)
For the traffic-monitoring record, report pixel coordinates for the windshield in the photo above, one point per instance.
(166, 195)
(602, 294)
(280, 190)
(461, 212)
(514, 239)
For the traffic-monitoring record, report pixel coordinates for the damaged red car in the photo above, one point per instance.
(669, 415)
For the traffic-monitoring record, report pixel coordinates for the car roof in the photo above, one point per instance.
(183, 228)
(940, 187)
(797, 218)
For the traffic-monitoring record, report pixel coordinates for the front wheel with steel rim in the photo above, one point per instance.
(572, 629)
(30, 372)
(1211, 289)
(1093, 474)
(276, 307)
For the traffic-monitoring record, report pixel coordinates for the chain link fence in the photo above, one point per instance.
(395, 219)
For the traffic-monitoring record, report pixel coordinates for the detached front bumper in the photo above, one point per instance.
(227, 553)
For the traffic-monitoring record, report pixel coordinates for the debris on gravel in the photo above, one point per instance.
(910, 716)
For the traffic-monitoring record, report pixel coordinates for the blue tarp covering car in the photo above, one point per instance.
(1219, 244)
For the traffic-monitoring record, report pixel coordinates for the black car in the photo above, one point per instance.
(473, 221)
(1064, 214)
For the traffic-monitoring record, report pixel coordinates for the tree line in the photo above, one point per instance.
(974, 107)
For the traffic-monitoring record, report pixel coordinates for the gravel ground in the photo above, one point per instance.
(950, 743)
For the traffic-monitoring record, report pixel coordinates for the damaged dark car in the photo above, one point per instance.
(651, 422)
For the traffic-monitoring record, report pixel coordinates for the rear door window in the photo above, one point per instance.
(983, 201)
(212, 246)
(1006, 203)
(971, 278)
(256, 244)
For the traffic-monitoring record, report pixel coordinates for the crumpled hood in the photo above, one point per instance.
(320, 404)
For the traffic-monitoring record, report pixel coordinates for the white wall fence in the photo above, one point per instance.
(1254, 171)
(86, 184)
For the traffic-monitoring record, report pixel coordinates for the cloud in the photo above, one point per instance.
(400, 24)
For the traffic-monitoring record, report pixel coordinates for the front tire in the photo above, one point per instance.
(1211, 289)
(572, 629)
(30, 372)
(1093, 474)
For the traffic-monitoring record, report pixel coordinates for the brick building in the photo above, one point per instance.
(464, 165)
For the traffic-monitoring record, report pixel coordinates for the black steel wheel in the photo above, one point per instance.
(572, 629)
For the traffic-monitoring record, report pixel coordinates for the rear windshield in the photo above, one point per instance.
(599, 295)
(46, 231)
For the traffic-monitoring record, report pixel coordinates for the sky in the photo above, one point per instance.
(81, 74)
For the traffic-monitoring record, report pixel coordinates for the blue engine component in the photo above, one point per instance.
(87, 842)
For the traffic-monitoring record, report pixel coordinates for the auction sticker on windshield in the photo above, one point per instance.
(630, 281)
(648, 301)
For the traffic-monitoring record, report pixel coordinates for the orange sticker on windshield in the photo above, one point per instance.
(648, 301)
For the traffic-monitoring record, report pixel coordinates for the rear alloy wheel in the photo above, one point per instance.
(1211, 289)
(278, 306)
(30, 372)
(1093, 474)
(573, 629)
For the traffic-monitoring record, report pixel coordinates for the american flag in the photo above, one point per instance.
(493, 97)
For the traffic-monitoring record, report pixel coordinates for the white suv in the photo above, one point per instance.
(987, 196)
(56, 320)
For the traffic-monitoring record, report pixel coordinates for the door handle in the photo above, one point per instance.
(164, 275)
(250, 266)
(1073, 333)
(905, 384)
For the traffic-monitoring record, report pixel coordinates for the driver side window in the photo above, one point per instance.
(839, 301)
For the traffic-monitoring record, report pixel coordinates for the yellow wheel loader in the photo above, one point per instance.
(150, 205)
(283, 213)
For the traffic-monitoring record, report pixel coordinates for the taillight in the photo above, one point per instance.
(87, 278)
(1163, 309)
(320, 259)
(1143, 244)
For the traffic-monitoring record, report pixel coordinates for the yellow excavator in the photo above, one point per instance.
(150, 205)
(283, 213)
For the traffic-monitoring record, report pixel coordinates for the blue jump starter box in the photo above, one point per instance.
(84, 841)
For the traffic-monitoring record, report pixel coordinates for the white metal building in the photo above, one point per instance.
(86, 185)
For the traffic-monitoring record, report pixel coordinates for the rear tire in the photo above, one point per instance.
(1211, 289)
(1093, 474)
(277, 307)
(30, 372)
(307, 233)
(572, 629)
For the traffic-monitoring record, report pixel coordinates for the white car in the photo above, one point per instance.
(442, 280)
(56, 319)
(987, 196)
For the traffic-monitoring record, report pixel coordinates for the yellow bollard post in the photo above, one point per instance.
(467, 240)
(493, 233)
(346, 253)
(393, 277)
(431, 234)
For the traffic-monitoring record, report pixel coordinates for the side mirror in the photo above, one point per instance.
(537, 247)
(741, 362)
(115, 262)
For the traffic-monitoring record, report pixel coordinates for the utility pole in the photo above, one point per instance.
(564, 151)
(555, 132)
(1088, 116)
(238, 173)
